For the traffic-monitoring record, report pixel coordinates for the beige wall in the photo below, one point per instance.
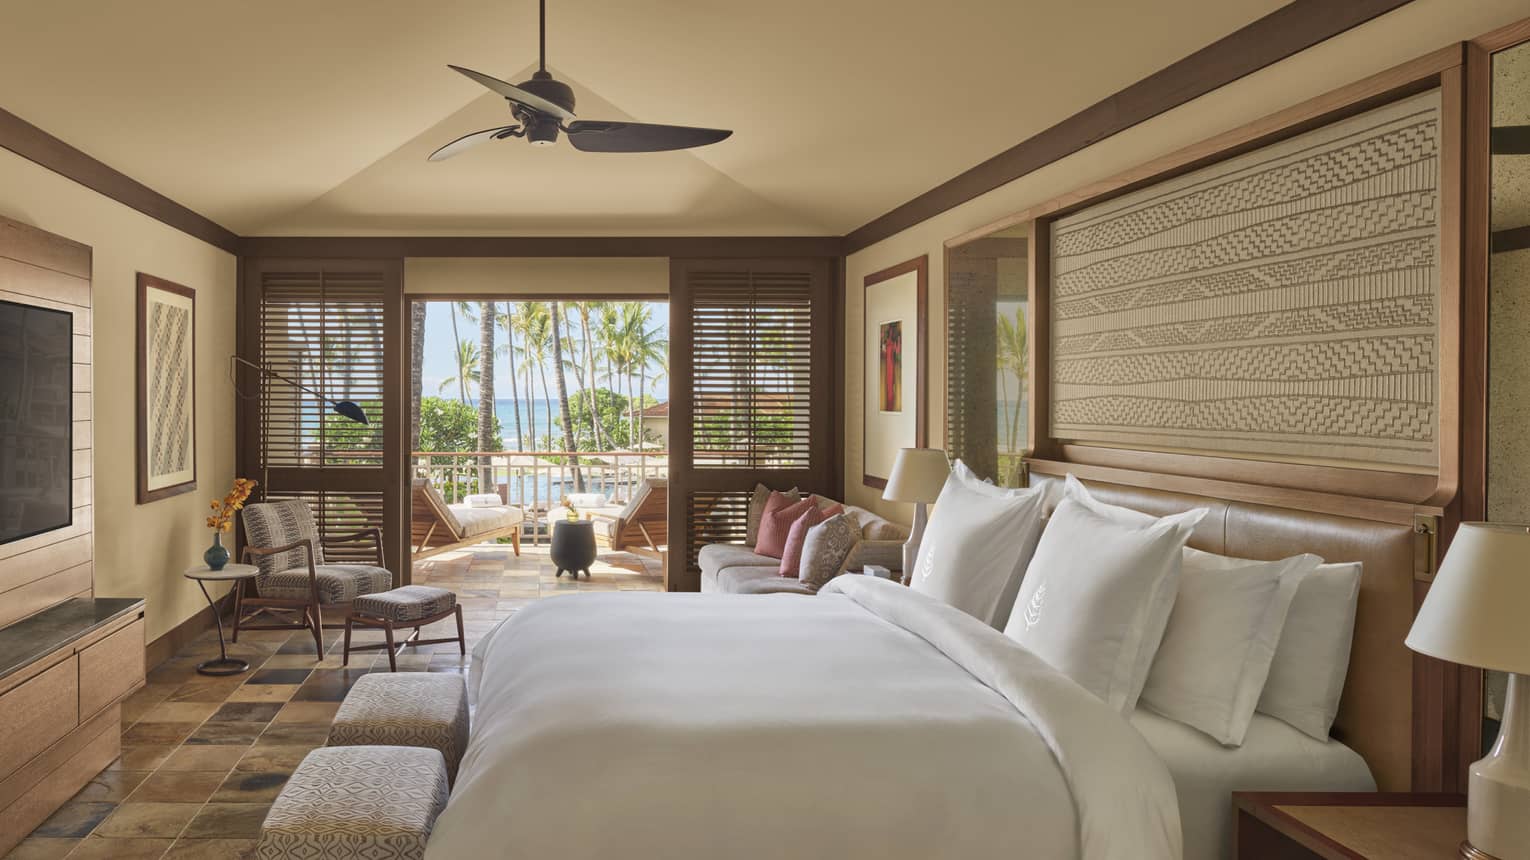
(542, 276)
(1415, 29)
(140, 551)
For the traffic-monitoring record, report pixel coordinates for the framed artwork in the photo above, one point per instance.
(895, 362)
(166, 388)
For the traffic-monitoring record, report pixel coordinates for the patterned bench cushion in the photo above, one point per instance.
(421, 709)
(338, 583)
(344, 802)
(409, 603)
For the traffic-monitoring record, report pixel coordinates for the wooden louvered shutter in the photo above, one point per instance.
(751, 394)
(333, 326)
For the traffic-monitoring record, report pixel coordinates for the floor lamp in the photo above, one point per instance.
(346, 408)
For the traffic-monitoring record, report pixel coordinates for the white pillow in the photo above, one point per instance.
(977, 545)
(1216, 651)
(484, 500)
(1312, 659)
(1098, 593)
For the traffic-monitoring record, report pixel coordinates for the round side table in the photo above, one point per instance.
(234, 573)
(573, 546)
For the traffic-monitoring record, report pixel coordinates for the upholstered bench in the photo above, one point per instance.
(414, 709)
(345, 802)
(410, 606)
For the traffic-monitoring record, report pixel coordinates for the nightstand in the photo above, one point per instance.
(1347, 826)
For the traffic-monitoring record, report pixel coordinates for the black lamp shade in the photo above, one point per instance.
(350, 410)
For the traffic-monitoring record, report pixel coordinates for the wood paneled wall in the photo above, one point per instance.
(39, 268)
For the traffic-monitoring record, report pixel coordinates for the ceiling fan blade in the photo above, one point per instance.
(468, 141)
(1510, 140)
(516, 94)
(597, 136)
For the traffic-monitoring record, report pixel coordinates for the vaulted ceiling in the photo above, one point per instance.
(294, 117)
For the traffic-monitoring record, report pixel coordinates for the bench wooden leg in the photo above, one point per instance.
(515, 541)
(392, 652)
(345, 660)
(461, 637)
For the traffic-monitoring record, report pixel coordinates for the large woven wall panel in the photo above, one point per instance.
(1281, 303)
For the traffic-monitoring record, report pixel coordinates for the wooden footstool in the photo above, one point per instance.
(346, 802)
(411, 606)
(409, 709)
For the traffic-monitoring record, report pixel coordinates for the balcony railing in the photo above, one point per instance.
(538, 481)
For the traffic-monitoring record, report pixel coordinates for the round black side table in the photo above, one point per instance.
(573, 546)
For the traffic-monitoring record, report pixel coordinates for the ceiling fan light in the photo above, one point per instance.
(542, 133)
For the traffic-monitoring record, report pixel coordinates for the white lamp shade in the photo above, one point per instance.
(917, 475)
(1474, 613)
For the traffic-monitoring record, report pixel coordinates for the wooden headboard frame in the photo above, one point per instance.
(1442, 700)
(1376, 712)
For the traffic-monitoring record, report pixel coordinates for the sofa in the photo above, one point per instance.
(732, 568)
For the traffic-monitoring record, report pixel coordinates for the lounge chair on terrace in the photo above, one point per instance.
(436, 527)
(642, 527)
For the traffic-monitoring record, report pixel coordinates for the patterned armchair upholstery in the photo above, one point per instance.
(285, 575)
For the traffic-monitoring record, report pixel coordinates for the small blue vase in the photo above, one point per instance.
(216, 555)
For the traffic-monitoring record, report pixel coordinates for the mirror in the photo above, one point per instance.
(1508, 450)
(987, 354)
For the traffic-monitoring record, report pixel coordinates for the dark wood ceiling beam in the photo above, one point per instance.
(540, 246)
(1286, 31)
(1512, 239)
(34, 144)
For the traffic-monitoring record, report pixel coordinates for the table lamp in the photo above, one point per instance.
(1475, 614)
(918, 474)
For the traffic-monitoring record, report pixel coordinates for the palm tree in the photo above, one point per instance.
(587, 371)
(486, 440)
(567, 416)
(416, 370)
(648, 350)
(530, 321)
(467, 368)
(1012, 358)
(461, 377)
(509, 351)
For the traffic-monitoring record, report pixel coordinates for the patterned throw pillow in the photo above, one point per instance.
(776, 524)
(791, 554)
(757, 503)
(825, 550)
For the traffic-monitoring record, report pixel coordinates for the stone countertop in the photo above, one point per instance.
(53, 628)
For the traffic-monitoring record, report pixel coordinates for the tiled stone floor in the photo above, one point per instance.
(203, 758)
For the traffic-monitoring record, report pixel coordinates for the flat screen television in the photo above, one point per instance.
(36, 420)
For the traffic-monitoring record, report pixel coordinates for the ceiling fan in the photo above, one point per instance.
(544, 106)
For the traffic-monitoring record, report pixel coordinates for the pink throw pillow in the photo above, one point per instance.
(776, 524)
(791, 554)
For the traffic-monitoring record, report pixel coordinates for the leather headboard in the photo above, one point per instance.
(1376, 713)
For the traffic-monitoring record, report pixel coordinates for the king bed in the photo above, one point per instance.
(873, 721)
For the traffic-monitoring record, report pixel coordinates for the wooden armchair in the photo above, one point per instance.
(283, 542)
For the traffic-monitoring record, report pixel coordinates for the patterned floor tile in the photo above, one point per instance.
(75, 819)
(105, 848)
(246, 712)
(147, 819)
(227, 821)
(212, 849)
(219, 758)
(240, 787)
(173, 786)
(41, 848)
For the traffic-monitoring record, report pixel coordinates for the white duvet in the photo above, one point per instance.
(867, 722)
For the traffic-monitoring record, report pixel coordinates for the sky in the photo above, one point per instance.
(440, 362)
